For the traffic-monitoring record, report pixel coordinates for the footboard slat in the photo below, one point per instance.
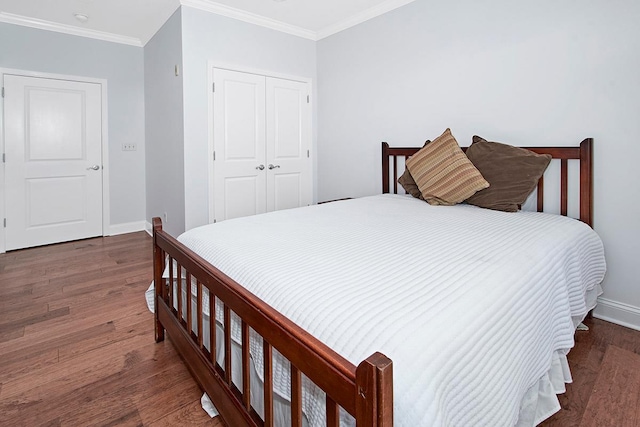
(178, 283)
(212, 328)
(268, 383)
(227, 344)
(170, 284)
(246, 369)
(187, 286)
(200, 314)
(296, 397)
(332, 412)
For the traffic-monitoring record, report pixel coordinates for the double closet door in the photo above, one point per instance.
(261, 142)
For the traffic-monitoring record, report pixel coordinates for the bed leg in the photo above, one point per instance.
(158, 268)
(374, 388)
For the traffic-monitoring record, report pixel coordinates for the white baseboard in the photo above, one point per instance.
(127, 227)
(147, 228)
(617, 312)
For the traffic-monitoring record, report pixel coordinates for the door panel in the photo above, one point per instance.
(287, 191)
(239, 144)
(288, 139)
(66, 193)
(53, 134)
(246, 187)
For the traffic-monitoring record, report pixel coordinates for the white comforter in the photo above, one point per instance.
(470, 304)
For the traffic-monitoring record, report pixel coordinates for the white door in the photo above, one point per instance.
(261, 141)
(239, 144)
(288, 136)
(53, 145)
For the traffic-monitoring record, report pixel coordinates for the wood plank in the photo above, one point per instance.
(187, 415)
(615, 400)
(587, 360)
(33, 319)
(100, 314)
(138, 368)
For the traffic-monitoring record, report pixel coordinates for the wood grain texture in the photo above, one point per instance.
(583, 153)
(76, 340)
(615, 398)
(328, 370)
(605, 365)
(99, 365)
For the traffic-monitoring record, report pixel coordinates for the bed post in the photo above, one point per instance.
(586, 181)
(385, 167)
(158, 267)
(374, 388)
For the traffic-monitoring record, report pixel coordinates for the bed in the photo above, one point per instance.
(484, 344)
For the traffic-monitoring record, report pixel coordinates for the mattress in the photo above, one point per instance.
(476, 308)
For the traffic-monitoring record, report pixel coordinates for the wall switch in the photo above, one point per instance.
(128, 147)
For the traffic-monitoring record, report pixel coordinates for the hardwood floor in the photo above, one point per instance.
(77, 348)
(605, 365)
(76, 340)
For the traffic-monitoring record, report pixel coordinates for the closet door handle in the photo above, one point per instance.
(261, 167)
(273, 167)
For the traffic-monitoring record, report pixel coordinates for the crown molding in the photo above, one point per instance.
(361, 17)
(41, 24)
(252, 18)
(213, 7)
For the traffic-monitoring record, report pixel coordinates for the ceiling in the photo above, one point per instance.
(134, 22)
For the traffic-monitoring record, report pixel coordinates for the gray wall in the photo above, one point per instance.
(164, 126)
(206, 36)
(525, 73)
(122, 66)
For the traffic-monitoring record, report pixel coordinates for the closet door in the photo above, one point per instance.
(239, 144)
(288, 134)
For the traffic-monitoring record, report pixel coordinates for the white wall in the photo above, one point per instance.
(122, 66)
(525, 73)
(164, 126)
(206, 36)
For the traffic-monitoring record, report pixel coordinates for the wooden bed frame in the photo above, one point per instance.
(365, 391)
(583, 153)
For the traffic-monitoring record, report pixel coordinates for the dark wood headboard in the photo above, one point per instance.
(583, 153)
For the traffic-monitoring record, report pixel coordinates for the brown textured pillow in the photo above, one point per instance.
(443, 173)
(512, 172)
(408, 183)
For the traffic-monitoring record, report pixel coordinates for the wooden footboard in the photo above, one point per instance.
(365, 391)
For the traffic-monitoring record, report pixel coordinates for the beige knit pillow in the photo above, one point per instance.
(443, 173)
(407, 182)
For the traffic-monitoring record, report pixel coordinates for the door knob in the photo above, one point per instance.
(93, 168)
(273, 167)
(261, 167)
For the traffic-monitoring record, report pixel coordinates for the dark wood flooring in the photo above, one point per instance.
(77, 348)
(76, 340)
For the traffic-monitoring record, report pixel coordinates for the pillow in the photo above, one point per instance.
(512, 172)
(407, 182)
(443, 173)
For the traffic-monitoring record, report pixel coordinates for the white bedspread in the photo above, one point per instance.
(472, 305)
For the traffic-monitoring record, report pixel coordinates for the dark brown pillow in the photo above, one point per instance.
(512, 172)
(409, 184)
